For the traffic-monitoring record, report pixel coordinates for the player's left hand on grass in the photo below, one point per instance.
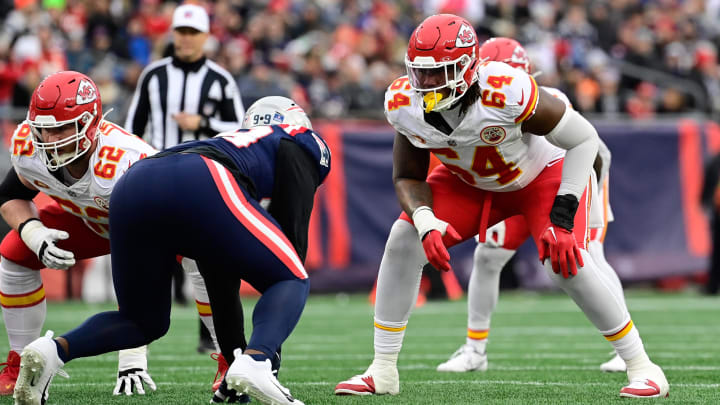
(225, 395)
(132, 372)
(560, 246)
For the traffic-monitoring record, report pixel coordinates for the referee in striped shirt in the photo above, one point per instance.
(185, 96)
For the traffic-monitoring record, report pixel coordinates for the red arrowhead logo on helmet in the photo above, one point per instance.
(86, 93)
(465, 37)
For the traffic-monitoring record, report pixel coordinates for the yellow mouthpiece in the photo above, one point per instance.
(431, 100)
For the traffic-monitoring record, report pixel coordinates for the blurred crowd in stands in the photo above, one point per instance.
(336, 57)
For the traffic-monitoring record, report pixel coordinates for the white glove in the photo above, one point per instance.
(41, 240)
(426, 221)
(132, 372)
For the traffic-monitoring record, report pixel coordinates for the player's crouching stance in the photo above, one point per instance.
(66, 150)
(504, 238)
(479, 120)
(201, 200)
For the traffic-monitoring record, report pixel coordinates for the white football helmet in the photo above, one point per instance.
(273, 110)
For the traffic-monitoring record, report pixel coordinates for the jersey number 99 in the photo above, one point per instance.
(261, 119)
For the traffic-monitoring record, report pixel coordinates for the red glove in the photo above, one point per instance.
(434, 245)
(560, 246)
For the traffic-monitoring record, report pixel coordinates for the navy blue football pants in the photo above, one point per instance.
(186, 204)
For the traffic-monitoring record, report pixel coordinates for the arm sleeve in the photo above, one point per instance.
(231, 111)
(296, 179)
(12, 188)
(576, 135)
(138, 113)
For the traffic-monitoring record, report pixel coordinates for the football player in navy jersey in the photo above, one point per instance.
(202, 200)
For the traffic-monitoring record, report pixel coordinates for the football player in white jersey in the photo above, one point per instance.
(479, 118)
(504, 238)
(66, 150)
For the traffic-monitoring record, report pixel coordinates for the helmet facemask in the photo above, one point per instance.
(50, 152)
(430, 78)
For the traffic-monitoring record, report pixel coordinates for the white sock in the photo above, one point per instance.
(483, 291)
(397, 286)
(23, 300)
(627, 342)
(202, 301)
(389, 336)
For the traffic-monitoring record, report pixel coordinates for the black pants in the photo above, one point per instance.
(188, 205)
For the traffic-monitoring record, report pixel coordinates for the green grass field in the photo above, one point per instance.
(542, 350)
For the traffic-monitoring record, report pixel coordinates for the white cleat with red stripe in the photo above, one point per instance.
(376, 380)
(647, 383)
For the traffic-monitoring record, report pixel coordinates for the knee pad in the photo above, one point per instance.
(594, 294)
(155, 330)
(403, 239)
(490, 259)
(399, 275)
(17, 279)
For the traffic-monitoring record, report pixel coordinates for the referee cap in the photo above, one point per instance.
(191, 15)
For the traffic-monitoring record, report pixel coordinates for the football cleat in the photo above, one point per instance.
(226, 395)
(9, 374)
(466, 358)
(255, 378)
(649, 382)
(39, 362)
(614, 365)
(221, 370)
(378, 379)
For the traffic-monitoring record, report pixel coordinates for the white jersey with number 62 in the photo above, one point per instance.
(89, 197)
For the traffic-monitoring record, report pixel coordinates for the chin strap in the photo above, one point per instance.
(106, 114)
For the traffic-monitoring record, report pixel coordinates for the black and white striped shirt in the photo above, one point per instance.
(169, 86)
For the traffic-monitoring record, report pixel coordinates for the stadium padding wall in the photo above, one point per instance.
(660, 228)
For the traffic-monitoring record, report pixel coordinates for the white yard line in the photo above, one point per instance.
(415, 382)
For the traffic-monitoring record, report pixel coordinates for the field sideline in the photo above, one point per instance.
(542, 350)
